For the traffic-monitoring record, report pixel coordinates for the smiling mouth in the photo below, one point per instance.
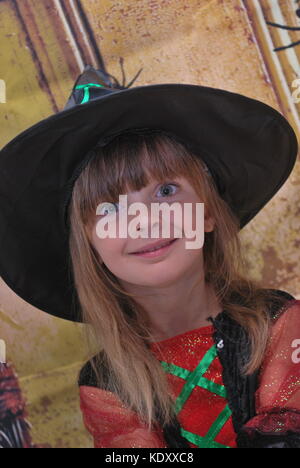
(155, 251)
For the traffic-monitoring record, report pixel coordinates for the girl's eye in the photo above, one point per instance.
(106, 208)
(165, 191)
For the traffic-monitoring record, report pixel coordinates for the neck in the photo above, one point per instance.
(180, 307)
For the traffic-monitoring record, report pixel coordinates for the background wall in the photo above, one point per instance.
(44, 45)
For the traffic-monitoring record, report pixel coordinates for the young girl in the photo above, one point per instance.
(173, 293)
(186, 350)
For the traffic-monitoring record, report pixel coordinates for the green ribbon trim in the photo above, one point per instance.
(208, 441)
(86, 88)
(203, 382)
(198, 441)
(216, 428)
(194, 379)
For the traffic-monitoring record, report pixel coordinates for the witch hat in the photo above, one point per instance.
(249, 148)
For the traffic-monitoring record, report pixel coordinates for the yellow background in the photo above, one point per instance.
(225, 44)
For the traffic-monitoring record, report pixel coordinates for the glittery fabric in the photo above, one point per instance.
(113, 425)
(275, 422)
(278, 395)
(203, 407)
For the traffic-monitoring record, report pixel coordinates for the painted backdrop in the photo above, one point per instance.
(250, 47)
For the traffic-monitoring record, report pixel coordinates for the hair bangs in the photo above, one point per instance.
(130, 163)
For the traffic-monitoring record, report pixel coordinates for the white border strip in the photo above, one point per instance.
(277, 63)
(69, 35)
(285, 36)
(82, 30)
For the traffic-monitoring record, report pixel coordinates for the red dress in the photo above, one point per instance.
(195, 377)
(202, 407)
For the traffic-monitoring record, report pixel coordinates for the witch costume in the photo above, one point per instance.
(249, 149)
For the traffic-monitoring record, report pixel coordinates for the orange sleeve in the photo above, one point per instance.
(280, 374)
(278, 395)
(112, 425)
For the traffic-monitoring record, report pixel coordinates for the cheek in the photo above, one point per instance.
(109, 250)
(193, 211)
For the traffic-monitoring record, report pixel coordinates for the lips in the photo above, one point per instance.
(154, 246)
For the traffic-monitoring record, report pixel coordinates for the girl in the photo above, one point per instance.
(173, 293)
(186, 350)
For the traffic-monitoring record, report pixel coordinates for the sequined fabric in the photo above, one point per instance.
(203, 407)
(278, 395)
(112, 425)
(274, 423)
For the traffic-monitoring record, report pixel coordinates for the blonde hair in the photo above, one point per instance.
(117, 323)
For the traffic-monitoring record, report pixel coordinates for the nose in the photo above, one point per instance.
(148, 224)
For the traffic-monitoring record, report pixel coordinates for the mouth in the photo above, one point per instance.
(155, 252)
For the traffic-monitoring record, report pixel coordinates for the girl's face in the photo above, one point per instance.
(173, 262)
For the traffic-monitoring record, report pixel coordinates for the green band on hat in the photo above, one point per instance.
(86, 88)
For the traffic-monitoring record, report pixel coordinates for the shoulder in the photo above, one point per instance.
(288, 317)
(280, 301)
(282, 293)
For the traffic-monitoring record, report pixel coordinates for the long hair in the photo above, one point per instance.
(119, 329)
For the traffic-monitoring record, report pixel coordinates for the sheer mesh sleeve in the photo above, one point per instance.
(277, 420)
(112, 425)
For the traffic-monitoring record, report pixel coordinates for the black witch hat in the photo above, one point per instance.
(249, 148)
